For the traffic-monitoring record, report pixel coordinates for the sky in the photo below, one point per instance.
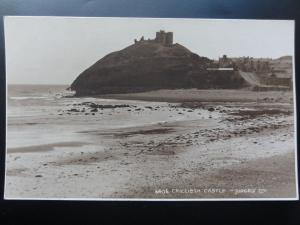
(55, 50)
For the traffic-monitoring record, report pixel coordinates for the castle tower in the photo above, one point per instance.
(164, 38)
(169, 38)
(160, 36)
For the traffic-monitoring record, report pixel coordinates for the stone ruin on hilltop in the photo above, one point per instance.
(162, 37)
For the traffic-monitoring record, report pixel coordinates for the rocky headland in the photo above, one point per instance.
(151, 65)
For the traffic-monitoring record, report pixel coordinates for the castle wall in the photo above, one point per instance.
(169, 38)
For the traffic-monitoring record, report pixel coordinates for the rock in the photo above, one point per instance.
(74, 110)
(93, 105)
(150, 65)
(94, 110)
(94, 158)
(38, 176)
(211, 109)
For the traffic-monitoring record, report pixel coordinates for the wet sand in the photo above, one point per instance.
(245, 148)
(182, 95)
(268, 177)
(46, 147)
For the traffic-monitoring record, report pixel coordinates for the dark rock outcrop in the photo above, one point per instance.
(148, 65)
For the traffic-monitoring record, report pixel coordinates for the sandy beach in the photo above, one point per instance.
(160, 144)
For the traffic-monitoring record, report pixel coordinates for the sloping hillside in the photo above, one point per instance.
(148, 65)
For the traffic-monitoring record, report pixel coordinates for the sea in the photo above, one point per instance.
(38, 115)
(31, 114)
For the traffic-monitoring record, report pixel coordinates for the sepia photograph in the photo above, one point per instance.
(111, 108)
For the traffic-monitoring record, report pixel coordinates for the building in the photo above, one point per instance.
(165, 38)
(162, 37)
(225, 62)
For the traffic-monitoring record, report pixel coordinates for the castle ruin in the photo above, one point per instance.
(165, 38)
(162, 37)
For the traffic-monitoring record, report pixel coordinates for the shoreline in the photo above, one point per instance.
(210, 95)
(237, 145)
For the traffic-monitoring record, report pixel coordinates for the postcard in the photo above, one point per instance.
(155, 109)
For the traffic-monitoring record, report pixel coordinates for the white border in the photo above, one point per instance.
(167, 199)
